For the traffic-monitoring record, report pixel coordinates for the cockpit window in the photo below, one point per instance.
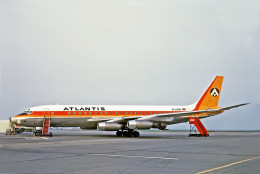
(26, 112)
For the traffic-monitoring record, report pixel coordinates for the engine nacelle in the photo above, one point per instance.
(161, 126)
(140, 124)
(107, 126)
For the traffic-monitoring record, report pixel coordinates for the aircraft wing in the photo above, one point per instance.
(207, 112)
(202, 113)
(122, 120)
(171, 116)
(98, 120)
(125, 119)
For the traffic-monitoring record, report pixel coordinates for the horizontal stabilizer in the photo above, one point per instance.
(235, 106)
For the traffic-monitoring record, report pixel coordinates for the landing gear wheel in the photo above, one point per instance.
(19, 131)
(37, 134)
(130, 134)
(136, 134)
(119, 133)
(125, 133)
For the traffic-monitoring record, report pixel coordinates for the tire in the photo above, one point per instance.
(37, 134)
(136, 134)
(119, 133)
(125, 133)
(130, 134)
(19, 131)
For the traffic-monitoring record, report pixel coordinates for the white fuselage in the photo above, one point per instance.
(88, 116)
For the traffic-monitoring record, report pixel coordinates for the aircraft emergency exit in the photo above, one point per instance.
(124, 119)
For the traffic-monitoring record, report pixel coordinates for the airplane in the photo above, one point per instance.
(124, 119)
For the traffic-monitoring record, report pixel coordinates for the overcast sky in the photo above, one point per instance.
(155, 52)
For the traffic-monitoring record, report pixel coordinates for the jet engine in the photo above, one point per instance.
(143, 124)
(139, 124)
(161, 126)
(108, 126)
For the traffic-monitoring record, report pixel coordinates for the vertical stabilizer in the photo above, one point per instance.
(211, 96)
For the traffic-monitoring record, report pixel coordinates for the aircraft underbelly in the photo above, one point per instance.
(59, 122)
(179, 120)
(68, 122)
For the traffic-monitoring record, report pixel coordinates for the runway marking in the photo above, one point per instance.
(45, 138)
(231, 164)
(35, 138)
(127, 156)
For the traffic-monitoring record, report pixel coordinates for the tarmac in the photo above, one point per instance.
(75, 151)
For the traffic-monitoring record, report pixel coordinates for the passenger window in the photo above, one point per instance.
(74, 113)
(68, 113)
(85, 113)
(52, 113)
(116, 113)
(79, 113)
(90, 113)
(95, 113)
(101, 113)
(111, 113)
(120, 113)
(105, 113)
(131, 113)
(125, 113)
(145, 113)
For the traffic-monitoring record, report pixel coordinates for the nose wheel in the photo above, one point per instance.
(128, 133)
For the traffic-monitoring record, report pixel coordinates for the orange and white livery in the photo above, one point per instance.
(124, 118)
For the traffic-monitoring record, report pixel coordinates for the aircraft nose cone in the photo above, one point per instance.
(14, 120)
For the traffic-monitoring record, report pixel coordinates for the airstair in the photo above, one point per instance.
(45, 130)
(46, 126)
(196, 123)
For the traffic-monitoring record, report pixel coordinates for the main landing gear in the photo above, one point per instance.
(38, 133)
(127, 133)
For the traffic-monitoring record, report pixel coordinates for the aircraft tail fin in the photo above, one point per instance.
(211, 96)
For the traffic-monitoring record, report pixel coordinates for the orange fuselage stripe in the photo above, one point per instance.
(91, 113)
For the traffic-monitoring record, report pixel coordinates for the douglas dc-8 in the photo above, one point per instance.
(124, 119)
